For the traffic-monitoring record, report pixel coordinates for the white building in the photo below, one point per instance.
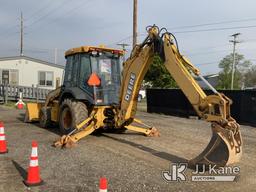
(27, 71)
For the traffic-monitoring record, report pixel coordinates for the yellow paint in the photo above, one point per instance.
(86, 49)
(33, 110)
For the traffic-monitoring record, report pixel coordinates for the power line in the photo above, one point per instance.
(35, 51)
(40, 18)
(8, 28)
(214, 23)
(126, 38)
(215, 62)
(209, 63)
(14, 26)
(212, 47)
(213, 29)
(212, 52)
(44, 49)
(208, 52)
(120, 41)
(200, 30)
(8, 35)
(39, 10)
(123, 45)
(29, 18)
(195, 53)
(69, 11)
(78, 7)
(48, 13)
(249, 40)
(217, 29)
(4, 34)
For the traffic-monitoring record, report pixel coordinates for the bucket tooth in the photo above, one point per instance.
(154, 132)
(224, 148)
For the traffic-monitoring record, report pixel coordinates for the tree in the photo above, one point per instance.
(250, 77)
(241, 66)
(158, 75)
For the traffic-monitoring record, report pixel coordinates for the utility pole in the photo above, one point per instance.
(55, 55)
(123, 45)
(234, 58)
(21, 34)
(135, 4)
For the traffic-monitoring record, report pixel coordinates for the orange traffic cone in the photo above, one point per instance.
(20, 105)
(3, 144)
(33, 178)
(103, 185)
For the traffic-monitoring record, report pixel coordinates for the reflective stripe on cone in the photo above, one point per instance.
(3, 143)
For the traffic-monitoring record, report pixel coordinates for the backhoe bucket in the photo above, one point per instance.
(32, 112)
(224, 148)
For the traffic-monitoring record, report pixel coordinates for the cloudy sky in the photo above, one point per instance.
(203, 28)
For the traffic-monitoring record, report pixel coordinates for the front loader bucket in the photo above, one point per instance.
(224, 148)
(32, 112)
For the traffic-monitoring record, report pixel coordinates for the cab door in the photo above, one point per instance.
(71, 71)
(84, 73)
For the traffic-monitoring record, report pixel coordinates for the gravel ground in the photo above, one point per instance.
(130, 161)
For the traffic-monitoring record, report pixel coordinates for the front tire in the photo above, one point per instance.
(72, 113)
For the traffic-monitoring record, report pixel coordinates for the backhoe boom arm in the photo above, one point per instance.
(225, 145)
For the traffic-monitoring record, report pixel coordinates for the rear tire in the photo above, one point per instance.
(72, 113)
(45, 117)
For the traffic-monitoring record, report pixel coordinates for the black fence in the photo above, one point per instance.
(174, 102)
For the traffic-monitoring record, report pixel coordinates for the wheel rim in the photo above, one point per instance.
(66, 119)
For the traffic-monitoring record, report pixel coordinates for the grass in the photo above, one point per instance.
(142, 106)
(11, 104)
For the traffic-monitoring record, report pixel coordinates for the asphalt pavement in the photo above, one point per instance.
(130, 161)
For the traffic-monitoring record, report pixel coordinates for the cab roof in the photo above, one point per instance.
(86, 49)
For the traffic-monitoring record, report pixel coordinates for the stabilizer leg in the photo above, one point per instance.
(148, 131)
(70, 139)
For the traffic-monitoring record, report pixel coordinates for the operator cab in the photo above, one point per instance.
(84, 65)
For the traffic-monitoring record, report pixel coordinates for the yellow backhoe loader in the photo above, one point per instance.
(95, 95)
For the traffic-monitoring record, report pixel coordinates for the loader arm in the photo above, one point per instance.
(225, 146)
